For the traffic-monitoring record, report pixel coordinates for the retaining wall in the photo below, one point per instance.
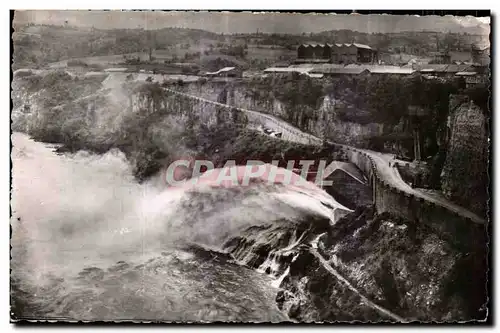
(460, 230)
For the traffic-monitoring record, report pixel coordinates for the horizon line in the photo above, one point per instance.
(257, 32)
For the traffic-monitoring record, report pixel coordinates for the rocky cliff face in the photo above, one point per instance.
(366, 267)
(323, 120)
(403, 268)
(464, 178)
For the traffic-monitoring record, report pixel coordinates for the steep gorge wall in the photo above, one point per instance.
(323, 122)
(207, 108)
(464, 178)
(239, 95)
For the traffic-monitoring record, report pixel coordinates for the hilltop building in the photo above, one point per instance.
(337, 53)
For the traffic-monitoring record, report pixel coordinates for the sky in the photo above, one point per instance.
(246, 22)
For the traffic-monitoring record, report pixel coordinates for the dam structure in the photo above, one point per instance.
(390, 193)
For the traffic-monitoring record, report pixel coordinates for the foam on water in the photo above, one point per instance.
(84, 215)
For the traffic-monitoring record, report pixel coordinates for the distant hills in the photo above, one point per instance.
(264, 22)
(37, 45)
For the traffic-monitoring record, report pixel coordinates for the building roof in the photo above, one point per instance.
(390, 70)
(115, 69)
(339, 70)
(314, 75)
(352, 66)
(225, 69)
(383, 69)
(442, 68)
(321, 66)
(484, 46)
(288, 69)
(183, 64)
(429, 77)
(458, 67)
(354, 69)
(310, 62)
(431, 67)
(466, 73)
(315, 45)
(305, 65)
(360, 46)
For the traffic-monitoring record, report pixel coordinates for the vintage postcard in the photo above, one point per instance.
(239, 167)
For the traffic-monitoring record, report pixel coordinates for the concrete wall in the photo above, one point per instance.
(450, 226)
(461, 231)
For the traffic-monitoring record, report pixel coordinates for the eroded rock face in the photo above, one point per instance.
(402, 267)
(464, 177)
(272, 248)
(311, 294)
(322, 120)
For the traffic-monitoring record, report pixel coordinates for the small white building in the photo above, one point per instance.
(226, 72)
(285, 70)
(121, 70)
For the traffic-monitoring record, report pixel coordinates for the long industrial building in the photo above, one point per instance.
(337, 53)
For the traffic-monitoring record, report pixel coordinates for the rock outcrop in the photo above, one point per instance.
(397, 265)
(464, 178)
(313, 119)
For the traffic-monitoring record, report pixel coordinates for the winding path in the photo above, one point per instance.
(392, 176)
(339, 277)
(381, 160)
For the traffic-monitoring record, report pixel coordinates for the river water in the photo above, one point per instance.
(90, 243)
